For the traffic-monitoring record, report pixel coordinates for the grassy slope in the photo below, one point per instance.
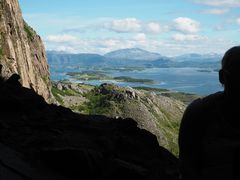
(155, 112)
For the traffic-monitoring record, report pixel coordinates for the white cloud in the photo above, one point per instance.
(125, 25)
(187, 37)
(141, 37)
(220, 3)
(61, 38)
(65, 49)
(204, 46)
(110, 42)
(99, 45)
(216, 11)
(153, 27)
(133, 25)
(238, 20)
(180, 45)
(186, 25)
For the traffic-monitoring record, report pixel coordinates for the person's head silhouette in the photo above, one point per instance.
(209, 138)
(229, 75)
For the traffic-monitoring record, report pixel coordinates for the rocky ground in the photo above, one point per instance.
(46, 141)
(153, 110)
(42, 141)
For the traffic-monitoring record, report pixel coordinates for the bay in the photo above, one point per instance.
(189, 80)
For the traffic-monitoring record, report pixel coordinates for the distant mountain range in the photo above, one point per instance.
(133, 54)
(213, 57)
(60, 58)
(134, 57)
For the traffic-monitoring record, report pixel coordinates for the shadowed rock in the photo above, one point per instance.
(51, 142)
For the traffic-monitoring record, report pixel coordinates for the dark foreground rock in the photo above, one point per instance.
(42, 141)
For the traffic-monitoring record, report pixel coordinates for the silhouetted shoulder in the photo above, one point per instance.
(212, 99)
(206, 102)
(192, 129)
(197, 115)
(201, 106)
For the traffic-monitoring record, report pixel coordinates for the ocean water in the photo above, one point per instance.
(189, 80)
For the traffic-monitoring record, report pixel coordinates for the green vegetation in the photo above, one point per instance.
(168, 123)
(1, 52)
(29, 31)
(96, 75)
(66, 92)
(151, 89)
(102, 103)
(57, 94)
(70, 92)
(66, 81)
(45, 78)
(186, 98)
(124, 69)
(170, 128)
(133, 80)
(89, 75)
(98, 104)
(162, 115)
(95, 103)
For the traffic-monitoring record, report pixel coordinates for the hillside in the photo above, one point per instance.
(132, 54)
(22, 51)
(73, 59)
(153, 110)
(48, 142)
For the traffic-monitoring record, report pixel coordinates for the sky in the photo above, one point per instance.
(168, 27)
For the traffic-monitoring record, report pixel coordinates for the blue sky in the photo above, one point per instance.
(169, 27)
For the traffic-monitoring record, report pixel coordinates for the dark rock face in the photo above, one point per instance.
(42, 141)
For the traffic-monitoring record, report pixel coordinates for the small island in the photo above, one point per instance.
(133, 80)
(99, 75)
(89, 75)
(123, 69)
(205, 70)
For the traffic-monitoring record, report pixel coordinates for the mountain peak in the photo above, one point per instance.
(133, 54)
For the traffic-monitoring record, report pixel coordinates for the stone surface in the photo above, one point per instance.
(154, 112)
(45, 141)
(22, 51)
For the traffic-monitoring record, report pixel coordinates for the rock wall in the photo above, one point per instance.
(22, 51)
(39, 141)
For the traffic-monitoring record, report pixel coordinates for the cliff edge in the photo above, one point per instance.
(22, 51)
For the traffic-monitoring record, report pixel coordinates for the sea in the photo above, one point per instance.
(189, 80)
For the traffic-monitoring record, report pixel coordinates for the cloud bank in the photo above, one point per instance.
(220, 3)
(131, 25)
(186, 25)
